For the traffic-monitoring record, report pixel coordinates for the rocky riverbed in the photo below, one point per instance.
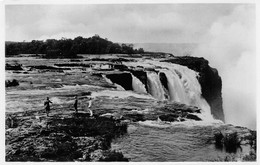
(127, 93)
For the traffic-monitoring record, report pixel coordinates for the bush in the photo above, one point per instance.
(219, 138)
(231, 142)
(251, 157)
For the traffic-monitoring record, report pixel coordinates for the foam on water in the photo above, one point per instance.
(120, 94)
(155, 87)
(56, 100)
(137, 85)
(182, 83)
(188, 123)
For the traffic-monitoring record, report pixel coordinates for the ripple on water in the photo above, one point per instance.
(170, 144)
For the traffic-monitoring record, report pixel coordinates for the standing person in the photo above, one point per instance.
(76, 104)
(47, 106)
(89, 105)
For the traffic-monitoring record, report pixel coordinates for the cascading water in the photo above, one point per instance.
(155, 87)
(181, 86)
(137, 85)
(184, 87)
(176, 90)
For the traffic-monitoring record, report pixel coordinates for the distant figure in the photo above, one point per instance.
(89, 105)
(76, 104)
(47, 106)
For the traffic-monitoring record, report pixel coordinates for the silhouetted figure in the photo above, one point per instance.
(47, 106)
(76, 104)
(89, 105)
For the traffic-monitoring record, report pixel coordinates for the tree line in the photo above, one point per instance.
(70, 47)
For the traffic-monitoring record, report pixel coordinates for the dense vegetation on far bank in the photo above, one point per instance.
(69, 47)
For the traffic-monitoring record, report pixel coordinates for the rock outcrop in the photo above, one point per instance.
(13, 67)
(11, 83)
(123, 79)
(62, 137)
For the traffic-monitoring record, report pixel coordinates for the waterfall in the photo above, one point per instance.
(137, 85)
(175, 87)
(184, 87)
(155, 87)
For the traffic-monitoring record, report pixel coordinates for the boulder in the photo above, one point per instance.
(13, 67)
(12, 83)
(169, 117)
(193, 117)
(107, 156)
(133, 117)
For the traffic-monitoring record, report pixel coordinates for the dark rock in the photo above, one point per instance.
(17, 72)
(97, 74)
(13, 67)
(73, 65)
(174, 107)
(123, 79)
(164, 80)
(11, 122)
(121, 60)
(134, 117)
(169, 117)
(74, 60)
(120, 67)
(193, 117)
(182, 119)
(42, 67)
(219, 138)
(107, 156)
(12, 83)
(210, 81)
(85, 93)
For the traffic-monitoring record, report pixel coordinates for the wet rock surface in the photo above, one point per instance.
(61, 137)
(13, 67)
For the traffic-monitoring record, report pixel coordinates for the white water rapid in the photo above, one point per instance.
(155, 87)
(183, 87)
(137, 85)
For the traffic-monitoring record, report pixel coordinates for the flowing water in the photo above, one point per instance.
(138, 86)
(145, 141)
(177, 143)
(155, 87)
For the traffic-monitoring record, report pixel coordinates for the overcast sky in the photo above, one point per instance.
(168, 23)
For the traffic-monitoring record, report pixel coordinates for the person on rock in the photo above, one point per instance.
(76, 104)
(89, 105)
(47, 106)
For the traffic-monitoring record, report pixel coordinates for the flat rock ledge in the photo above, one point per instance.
(63, 136)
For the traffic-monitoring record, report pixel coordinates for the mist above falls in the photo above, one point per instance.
(229, 45)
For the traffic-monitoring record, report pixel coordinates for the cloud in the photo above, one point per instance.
(229, 45)
(165, 23)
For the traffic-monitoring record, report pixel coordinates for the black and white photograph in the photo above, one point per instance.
(126, 81)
